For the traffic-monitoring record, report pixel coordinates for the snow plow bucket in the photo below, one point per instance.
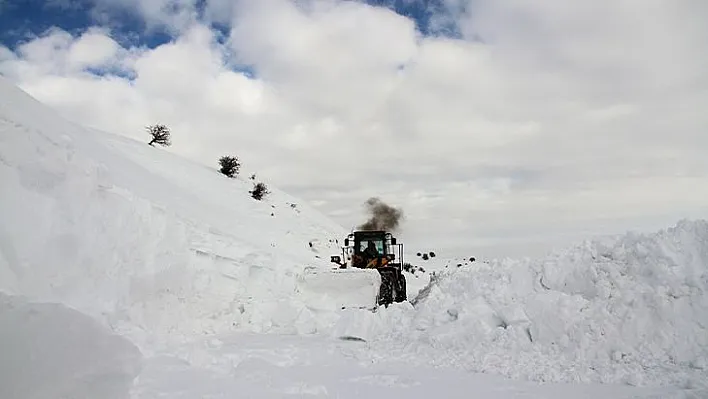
(335, 289)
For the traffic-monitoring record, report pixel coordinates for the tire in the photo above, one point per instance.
(393, 286)
(401, 293)
(387, 289)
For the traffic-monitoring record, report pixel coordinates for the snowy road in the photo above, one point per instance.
(276, 366)
(51, 351)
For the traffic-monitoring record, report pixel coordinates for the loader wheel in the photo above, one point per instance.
(393, 286)
(387, 286)
(386, 296)
(401, 294)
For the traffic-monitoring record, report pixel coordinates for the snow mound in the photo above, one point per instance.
(630, 309)
(50, 351)
(151, 244)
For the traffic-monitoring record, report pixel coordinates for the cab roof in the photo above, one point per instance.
(369, 234)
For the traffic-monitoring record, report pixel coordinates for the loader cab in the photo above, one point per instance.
(384, 243)
(362, 239)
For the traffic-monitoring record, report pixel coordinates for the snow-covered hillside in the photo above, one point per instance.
(127, 271)
(143, 240)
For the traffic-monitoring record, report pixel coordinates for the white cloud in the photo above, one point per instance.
(94, 49)
(219, 11)
(564, 119)
(59, 53)
(48, 51)
(318, 57)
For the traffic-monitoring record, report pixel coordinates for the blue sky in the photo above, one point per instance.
(24, 19)
(27, 19)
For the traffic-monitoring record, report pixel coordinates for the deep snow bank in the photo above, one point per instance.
(631, 309)
(149, 243)
(49, 351)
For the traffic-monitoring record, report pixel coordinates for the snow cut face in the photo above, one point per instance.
(152, 245)
(630, 309)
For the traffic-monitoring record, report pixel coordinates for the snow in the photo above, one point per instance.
(355, 288)
(129, 272)
(51, 351)
(630, 309)
(141, 239)
(268, 366)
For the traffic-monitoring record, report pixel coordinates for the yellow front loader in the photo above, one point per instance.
(366, 275)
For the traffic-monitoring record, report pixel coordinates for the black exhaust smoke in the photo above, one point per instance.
(383, 216)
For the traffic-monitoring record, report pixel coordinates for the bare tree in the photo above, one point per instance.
(160, 135)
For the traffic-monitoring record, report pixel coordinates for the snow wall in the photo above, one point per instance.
(631, 309)
(155, 247)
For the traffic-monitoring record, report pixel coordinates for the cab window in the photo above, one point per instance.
(377, 243)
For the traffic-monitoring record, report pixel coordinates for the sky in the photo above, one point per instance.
(500, 128)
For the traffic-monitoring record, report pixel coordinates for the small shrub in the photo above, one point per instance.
(230, 166)
(412, 268)
(160, 135)
(260, 190)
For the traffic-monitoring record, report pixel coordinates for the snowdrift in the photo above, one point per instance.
(50, 351)
(150, 244)
(631, 309)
